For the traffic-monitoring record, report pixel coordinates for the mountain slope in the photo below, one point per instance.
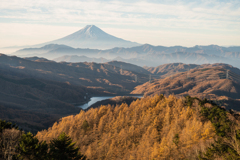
(129, 67)
(211, 83)
(149, 128)
(94, 38)
(35, 103)
(170, 69)
(35, 92)
(103, 77)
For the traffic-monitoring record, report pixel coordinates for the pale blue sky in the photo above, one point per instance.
(157, 22)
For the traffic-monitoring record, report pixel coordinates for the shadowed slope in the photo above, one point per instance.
(36, 103)
(104, 77)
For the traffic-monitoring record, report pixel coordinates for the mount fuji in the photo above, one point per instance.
(92, 37)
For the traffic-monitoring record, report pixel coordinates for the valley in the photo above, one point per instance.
(43, 88)
(95, 102)
(36, 92)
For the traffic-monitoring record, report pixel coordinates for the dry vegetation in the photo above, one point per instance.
(170, 69)
(150, 128)
(208, 83)
(9, 139)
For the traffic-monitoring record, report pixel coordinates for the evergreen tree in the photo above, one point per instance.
(31, 149)
(63, 148)
(6, 125)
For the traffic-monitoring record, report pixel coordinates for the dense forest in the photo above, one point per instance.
(152, 128)
(149, 128)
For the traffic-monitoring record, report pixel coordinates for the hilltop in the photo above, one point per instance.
(211, 83)
(170, 69)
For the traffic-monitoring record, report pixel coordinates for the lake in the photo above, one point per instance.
(96, 99)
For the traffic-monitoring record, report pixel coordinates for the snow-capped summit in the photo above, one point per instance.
(91, 31)
(94, 38)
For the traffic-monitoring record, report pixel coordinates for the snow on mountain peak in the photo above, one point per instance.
(90, 31)
(92, 37)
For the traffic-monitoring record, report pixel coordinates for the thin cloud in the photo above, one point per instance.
(201, 16)
(92, 10)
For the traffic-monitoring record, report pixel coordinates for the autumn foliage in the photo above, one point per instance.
(150, 128)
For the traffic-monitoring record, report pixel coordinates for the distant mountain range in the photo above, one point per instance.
(75, 58)
(91, 44)
(147, 55)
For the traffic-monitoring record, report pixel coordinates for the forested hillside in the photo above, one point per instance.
(150, 128)
(215, 83)
(169, 69)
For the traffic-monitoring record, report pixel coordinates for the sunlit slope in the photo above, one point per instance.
(207, 82)
(150, 128)
(169, 69)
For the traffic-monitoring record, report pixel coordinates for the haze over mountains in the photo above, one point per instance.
(147, 55)
(75, 58)
(97, 46)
